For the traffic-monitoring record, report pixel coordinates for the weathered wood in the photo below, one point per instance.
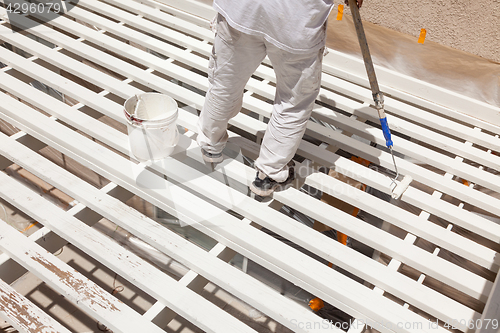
(23, 315)
(222, 228)
(82, 292)
(185, 302)
(470, 224)
(185, 31)
(233, 280)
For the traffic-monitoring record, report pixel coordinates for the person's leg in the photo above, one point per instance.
(235, 56)
(298, 79)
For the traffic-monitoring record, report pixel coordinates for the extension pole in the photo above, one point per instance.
(378, 97)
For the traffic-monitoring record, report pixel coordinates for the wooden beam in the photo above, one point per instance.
(251, 291)
(389, 280)
(223, 229)
(416, 92)
(22, 314)
(100, 247)
(481, 201)
(437, 212)
(75, 287)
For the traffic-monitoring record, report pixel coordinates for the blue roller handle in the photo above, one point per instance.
(386, 131)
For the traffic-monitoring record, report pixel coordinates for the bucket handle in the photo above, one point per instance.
(132, 118)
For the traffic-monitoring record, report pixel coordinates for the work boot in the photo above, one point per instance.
(211, 158)
(264, 186)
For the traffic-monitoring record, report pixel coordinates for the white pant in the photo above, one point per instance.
(235, 57)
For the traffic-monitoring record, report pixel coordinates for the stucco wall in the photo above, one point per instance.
(469, 25)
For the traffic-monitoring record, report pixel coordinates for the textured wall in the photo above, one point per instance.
(469, 25)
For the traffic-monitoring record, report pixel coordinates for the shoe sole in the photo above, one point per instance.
(263, 193)
(213, 159)
(287, 183)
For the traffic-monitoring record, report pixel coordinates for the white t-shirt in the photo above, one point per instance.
(295, 26)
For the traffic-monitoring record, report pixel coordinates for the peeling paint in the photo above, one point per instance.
(16, 309)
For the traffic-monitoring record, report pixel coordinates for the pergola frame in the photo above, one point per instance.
(452, 142)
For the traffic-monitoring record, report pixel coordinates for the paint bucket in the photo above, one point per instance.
(151, 124)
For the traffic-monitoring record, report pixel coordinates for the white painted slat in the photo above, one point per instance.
(85, 95)
(416, 92)
(183, 14)
(74, 286)
(406, 220)
(231, 233)
(184, 301)
(461, 279)
(122, 147)
(119, 66)
(389, 213)
(50, 240)
(68, 64)
(412, 195)
(359, 68)
(490, 320)
(436, 182)
(189, 59)
(466, 256)
(377, 130)
(419, 115)
(22, 314)
(263, 71)
(142, 39)
(415, 131)
(419, 199)
(73, 122)
(220, 229)
(170, 21)
(166, 67)
(475, 152)
(192, 6)
(422, 154)
(418, 173)
(438, 140)
(231, 279)
(442, 164)
(427, 118)
(351, 69)
(82, 94)
(191, 280)
(155, 29)
(182, 74)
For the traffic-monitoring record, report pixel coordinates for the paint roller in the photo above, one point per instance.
(378, 98)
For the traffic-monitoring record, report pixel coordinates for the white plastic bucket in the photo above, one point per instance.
(151, 125)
